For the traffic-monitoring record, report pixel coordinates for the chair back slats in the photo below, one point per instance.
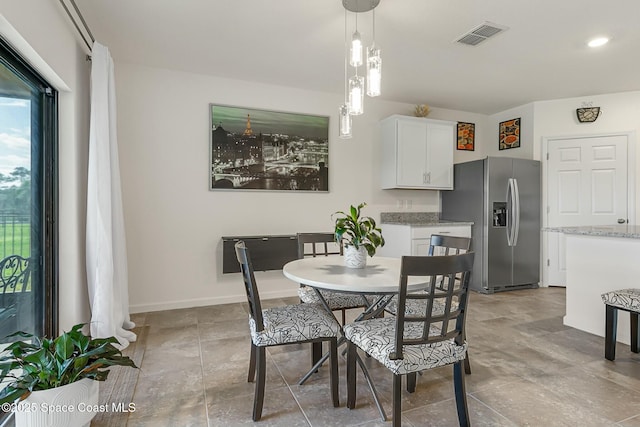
(15, 272)
(317, 244)
(446, 298)
(250, 286)
(448, 245)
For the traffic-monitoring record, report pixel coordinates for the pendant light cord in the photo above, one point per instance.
(373, 12)
(346, 55)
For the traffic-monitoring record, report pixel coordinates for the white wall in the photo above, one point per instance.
(174, 223)
(46, 36)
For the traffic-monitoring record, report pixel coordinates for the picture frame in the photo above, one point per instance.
(509, 134)
(262, 150)
(466, 136)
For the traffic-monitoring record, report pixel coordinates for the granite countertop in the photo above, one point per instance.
(618, 230)
(417, 219)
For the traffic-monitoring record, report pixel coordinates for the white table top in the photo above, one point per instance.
(380, 276)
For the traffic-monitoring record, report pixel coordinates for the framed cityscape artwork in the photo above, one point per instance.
(466, 136)
(509, 134)
(254, 149)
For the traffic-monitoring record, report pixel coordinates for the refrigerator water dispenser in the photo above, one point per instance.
(499, 214)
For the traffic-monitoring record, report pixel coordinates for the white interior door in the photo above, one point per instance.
(587, 184)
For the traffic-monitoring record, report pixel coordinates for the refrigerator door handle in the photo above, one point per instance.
(516, 212)
(509, 227)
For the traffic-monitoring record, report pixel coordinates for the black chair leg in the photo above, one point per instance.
(461, 394)
(316, 352)
(258, 399)
(635, 332)
(467, 365)
(351, 375)
(333, 348)
(252, 364)
(396, 420)
(411, 382)
(611, 328)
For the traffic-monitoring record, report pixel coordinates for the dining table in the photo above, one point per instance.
(380, 278)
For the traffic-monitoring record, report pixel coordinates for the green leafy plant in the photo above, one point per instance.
(358, 231)
(42, 364)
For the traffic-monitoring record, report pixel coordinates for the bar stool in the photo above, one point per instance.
(627, 300)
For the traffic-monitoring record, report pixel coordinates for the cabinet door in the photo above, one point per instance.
(421, 236)
(420, 247)
(439, 168)
(412, 153)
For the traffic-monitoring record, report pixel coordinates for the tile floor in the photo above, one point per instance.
(528, 370)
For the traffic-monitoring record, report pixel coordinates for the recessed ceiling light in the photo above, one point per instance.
(597, 42)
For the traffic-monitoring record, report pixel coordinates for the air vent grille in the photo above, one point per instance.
(480, 33)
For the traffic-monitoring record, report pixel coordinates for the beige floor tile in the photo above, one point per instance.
(280, 409)
(444, 414)
(529, 404)
(528, 369)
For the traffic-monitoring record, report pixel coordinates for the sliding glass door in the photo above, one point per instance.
(28, 118)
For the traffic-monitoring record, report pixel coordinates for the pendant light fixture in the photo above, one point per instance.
(356, 95)
(356, 47)
(355, 85)
(345, 116)
(374, 64)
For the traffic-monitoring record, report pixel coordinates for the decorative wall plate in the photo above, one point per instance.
(587, 115)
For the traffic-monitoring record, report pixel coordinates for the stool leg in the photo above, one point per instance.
(635, 332)
(316, 352)
(611, 328)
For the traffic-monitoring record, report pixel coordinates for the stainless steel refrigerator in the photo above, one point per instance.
(501, 196)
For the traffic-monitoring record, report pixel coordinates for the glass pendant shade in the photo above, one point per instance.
(355, 58)
(356, 95)
(374, 71)
(345, 122)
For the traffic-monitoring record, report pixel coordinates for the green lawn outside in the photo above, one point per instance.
(15, 239)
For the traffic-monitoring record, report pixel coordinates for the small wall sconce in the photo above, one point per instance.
(588, 115)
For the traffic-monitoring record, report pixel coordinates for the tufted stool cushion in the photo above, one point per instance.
(627, 299)
(377, 338)
(294, 323)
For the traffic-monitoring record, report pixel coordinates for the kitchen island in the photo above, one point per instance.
(599, 259)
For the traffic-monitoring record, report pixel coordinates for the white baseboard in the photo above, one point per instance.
(201, 302)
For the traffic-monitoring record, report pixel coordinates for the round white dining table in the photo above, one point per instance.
(381, 275)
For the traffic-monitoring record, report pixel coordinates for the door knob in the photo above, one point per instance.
(621, 220)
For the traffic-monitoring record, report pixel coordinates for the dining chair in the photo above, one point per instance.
(324, 244)
(410, 343)
(438, 245)
(290, 324)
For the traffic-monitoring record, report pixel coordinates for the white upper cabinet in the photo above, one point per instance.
(417, 153)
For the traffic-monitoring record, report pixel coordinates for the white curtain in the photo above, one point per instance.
(106, 244)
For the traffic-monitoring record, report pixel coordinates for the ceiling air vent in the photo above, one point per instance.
(480, 33)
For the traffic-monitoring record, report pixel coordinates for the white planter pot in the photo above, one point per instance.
(355, 258)
(72, 405)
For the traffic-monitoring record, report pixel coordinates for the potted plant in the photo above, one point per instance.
(359, 235)
(55, 381)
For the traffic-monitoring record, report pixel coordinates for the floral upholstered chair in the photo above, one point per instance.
(324, 244)
(291, 324)
(432, 338)
(438, 245)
